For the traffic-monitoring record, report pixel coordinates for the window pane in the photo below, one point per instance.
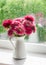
(17, 8)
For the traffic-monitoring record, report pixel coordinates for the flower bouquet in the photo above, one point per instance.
(20, 27)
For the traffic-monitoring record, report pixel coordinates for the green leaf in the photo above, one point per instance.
(26, 37)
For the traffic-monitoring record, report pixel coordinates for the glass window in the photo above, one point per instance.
(18, 8)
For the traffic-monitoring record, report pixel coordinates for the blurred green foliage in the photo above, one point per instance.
(17, 8)
(41, 33)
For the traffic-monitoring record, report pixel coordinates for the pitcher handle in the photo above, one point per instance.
(11, 42)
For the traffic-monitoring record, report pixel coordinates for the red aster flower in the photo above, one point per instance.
(19, 19)
(10, 32)
(7, 23)
(19, 30)
(33, 28)
(27, 26)
(30, 18)
(15, 23)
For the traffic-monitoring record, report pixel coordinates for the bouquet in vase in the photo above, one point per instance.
(20, 27)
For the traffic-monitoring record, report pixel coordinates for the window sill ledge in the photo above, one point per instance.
(6, 58)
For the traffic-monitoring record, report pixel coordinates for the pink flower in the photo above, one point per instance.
(33, 29)
(15, 23)
(19, 19)
(27, 26)
(7, 23)
(30, 18)
(10, 32)
(19, 30)
(28, 31)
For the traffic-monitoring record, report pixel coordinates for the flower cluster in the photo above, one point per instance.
(20, 26)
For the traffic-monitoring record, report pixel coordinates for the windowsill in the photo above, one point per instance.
(6, 58)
